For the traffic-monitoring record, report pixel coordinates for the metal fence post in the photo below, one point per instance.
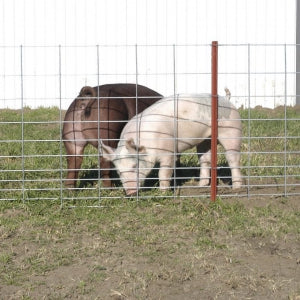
(214, 118)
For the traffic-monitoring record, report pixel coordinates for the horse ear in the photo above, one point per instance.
(87, 92)
(108, 152)
(133, 148)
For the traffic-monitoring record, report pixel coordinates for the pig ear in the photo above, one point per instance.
(108, 152)
(133, 148)
(87, 92)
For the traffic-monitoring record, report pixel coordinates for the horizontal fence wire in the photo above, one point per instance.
(34, 103)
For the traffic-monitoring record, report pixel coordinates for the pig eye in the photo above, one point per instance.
(134, 166)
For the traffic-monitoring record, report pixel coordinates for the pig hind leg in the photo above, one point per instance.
(233, 157)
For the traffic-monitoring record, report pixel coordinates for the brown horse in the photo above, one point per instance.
(100, 113)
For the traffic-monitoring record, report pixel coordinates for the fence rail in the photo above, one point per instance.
(37, 91)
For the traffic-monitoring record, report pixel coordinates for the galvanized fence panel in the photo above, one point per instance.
(40, 84)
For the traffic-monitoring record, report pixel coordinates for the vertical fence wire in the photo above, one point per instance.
(22, 122)
(98, 126)
(137, 124)
(175, 122)
(60, 125)
(285, 122)
(249, 123)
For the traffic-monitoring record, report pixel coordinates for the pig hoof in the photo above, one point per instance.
(131, 193)
(164, 188)
(106, 183)
(70, 187)
(204, 182)
(237, 185)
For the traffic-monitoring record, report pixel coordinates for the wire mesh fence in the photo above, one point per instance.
(43, 148)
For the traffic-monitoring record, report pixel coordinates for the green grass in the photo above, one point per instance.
(162, 239)
(42, 150)
(132, 248)
(53, 233)
(267, 133)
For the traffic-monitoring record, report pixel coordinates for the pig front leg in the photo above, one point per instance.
(105, 167)
(74, 161)
(165, 172)
(205, 164)
(204, 155)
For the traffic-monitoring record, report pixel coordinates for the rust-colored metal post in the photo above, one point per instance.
(214, 119)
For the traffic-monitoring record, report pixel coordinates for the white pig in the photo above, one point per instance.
(169, 127)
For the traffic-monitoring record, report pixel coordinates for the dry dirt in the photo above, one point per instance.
(165, 266)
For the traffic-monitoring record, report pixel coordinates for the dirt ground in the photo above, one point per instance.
(158, 250)
(163, 266)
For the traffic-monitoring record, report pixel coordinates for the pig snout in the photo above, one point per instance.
(130, 186)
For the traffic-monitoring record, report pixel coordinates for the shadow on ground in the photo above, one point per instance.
(184, 173)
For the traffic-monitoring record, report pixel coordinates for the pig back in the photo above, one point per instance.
(186, 117)
(91, 120)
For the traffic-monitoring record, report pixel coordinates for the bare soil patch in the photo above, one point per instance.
(166, 250)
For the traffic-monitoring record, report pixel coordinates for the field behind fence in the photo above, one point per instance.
(37, 91)
(33, 160)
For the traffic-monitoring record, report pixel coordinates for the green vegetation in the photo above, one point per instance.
(141, 249)
(41, 154)
(40, 239)
(270, 136)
